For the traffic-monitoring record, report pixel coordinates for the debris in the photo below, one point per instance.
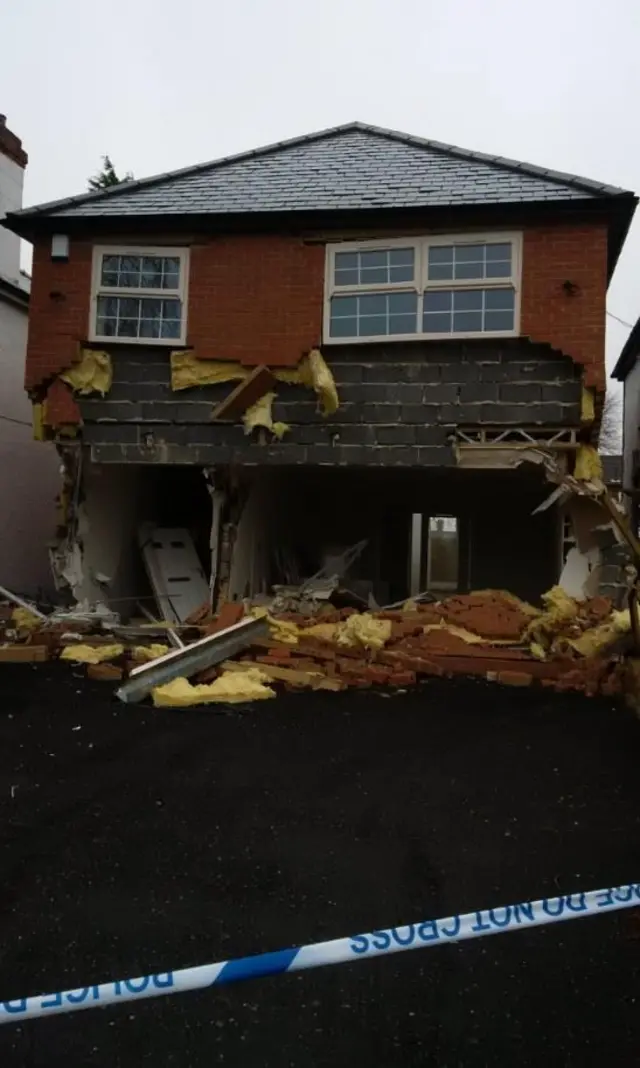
(174, 570)
(191, 659)
(13, 597)
(314, 372)
(91, 654)
(23, 654)
(229, 688)
(104, 672)
(25, 620)
(245, 395)
(364, 630)
(143, 654)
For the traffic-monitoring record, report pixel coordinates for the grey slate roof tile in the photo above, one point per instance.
(347, 168)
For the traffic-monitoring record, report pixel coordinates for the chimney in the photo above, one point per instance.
(13, 160)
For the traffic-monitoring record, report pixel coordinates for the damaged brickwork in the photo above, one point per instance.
(398, 405)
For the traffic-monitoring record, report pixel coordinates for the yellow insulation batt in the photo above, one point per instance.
(313, 372)
(364, 630)
(24, 620)
(559, 608)
(232, 687)
(143, 654)
(588, 464)
(598, 638)
(91, 654)
(92, 374)
(260, 415)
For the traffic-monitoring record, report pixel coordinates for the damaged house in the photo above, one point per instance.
(337, 355)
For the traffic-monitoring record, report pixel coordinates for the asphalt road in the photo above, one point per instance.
(135, 841)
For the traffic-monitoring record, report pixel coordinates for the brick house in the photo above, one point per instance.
(458, 300)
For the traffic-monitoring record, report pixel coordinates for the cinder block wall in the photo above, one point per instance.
(259, 298)
(399, 405)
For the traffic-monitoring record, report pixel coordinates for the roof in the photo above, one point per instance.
(348, 167)
(630, 352)
(11, 293)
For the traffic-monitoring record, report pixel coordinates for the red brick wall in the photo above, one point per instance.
(573, 323)
(58, 312)
(258, 299)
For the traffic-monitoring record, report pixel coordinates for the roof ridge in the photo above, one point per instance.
(499, 162)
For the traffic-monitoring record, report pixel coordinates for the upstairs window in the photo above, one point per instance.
(428, 287)
(139, 295)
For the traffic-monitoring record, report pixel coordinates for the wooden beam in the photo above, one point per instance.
(250, 390)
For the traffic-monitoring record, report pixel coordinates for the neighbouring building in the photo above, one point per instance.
(29, 471)
(447, 307)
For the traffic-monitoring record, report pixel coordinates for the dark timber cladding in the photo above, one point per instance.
(398, 406)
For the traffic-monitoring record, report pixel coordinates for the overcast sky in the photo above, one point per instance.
(161, 85)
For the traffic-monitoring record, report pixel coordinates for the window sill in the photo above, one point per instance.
(164, 342)
(390, 338)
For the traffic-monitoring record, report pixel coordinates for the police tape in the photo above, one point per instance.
(339, 951)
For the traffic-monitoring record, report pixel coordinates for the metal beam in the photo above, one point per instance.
(191, 658)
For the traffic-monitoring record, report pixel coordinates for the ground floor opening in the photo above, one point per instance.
(386, 533)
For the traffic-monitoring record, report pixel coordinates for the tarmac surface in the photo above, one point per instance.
(136, 841)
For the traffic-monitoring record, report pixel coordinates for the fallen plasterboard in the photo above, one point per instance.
(580, 574)
(174, 570)
(191, 658)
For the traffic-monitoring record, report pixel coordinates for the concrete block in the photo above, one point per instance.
(428, 372)
(562, 392)
(356, 434)
(380, 413)
(120, 412)
(478, 391)
(351, 372)
(195, 412)
(357, 455)
(298, 412)
(520, 393)
(436, 456)
(431, 435)
(399, 434)
(110, 434)
(460, 372)
(140, 391)
(420, 413)
(323, 454)
(108, 454)
(442, 393)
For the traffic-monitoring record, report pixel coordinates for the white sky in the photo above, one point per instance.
(161, 85)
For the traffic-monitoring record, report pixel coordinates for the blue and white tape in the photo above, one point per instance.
(339, 951)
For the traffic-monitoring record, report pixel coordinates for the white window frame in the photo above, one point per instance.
(421, 284)
(98, 290)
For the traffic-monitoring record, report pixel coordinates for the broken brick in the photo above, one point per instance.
(104, 672)
(515, 678)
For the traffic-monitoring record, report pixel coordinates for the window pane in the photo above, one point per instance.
(374, 267)
(469, 270)
(378, 258)
(499, 252)
(373, 304)
(372, 325)
(497, 320)
(346, 327)
(469, 253)
(374, 275)
(437, 323)
(467, 322)
(151, 272)
(499, 269)
(401, 257)
(106, 327)
(403, 302)
(170, 328)
(401, 273)
(345, 260)
(346, 278)
(402, 324)
(170, 309)
(438, 300)
(127, 328)
(145, 317)
(499, 299)
(439, 272)
(108, 307)
(468, 300)
(440, 254)
(344, 306)
(149, 328)
(374, 315)
(443, 553)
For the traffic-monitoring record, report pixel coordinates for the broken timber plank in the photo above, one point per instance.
(190, 659)
(23, 654)
(247, 393)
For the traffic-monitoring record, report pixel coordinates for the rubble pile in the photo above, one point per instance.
(565, 645)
